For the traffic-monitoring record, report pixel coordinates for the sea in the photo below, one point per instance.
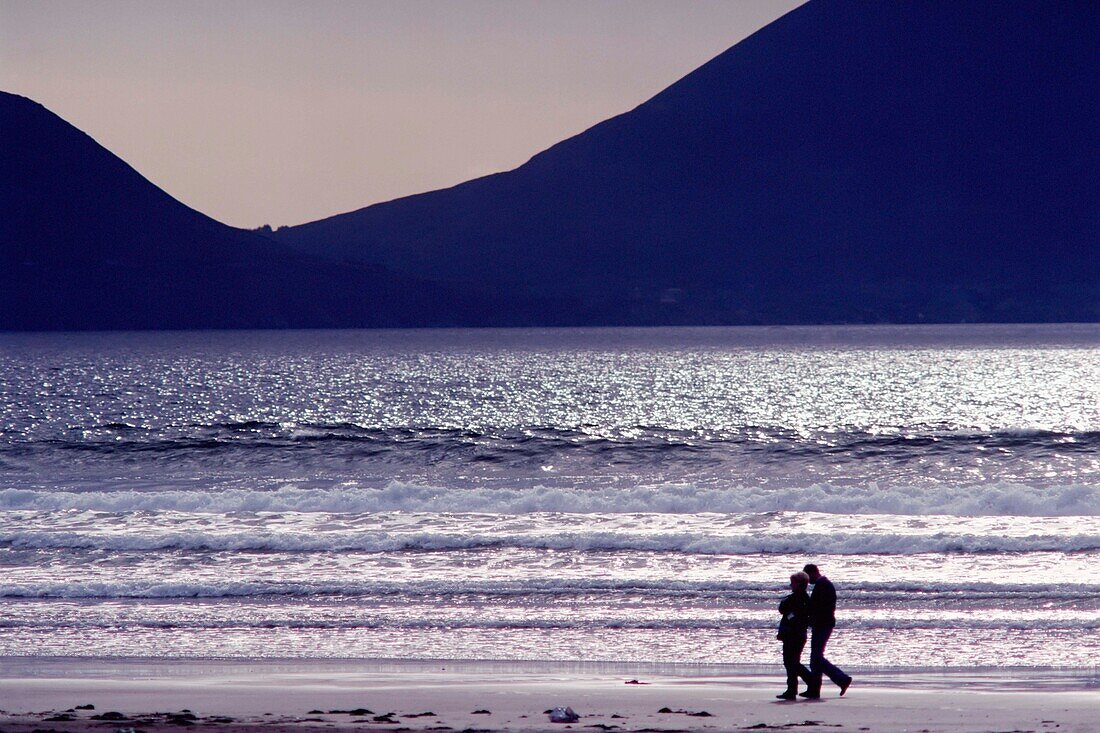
(560, 495)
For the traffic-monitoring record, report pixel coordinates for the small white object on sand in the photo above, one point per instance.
(563, 715)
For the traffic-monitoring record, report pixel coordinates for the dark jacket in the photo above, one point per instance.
(823, 604)
(795, 616)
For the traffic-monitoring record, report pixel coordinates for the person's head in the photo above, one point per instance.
(812, 572)
(799, 581)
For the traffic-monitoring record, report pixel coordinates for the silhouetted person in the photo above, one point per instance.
(794, 611)
(822, 621)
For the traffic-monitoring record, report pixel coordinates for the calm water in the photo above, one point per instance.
(634, 494)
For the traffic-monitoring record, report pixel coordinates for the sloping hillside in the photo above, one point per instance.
(853, 161)
(88, 243)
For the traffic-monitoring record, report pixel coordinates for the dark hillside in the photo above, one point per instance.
(858, 161)
(88, 243)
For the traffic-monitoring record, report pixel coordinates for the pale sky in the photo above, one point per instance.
(283, 112)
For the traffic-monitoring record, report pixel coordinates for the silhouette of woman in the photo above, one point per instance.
(794, 619)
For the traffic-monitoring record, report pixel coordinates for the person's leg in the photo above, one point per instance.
(805, 673)
(792, 662)
(819, 665)
(818, 638)
(836, 674)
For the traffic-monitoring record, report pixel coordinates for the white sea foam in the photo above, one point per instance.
(977, 500)
(873, 593)
(466, 622)
(833, 543)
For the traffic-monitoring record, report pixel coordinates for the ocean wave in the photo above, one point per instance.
(977, 500)
(122, 436)
(877, 594)
(458, 623)
(244, 443)
(693, 543)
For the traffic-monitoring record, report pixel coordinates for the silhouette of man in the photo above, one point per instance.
(822, 621)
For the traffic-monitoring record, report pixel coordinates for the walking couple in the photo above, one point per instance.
(801, 611)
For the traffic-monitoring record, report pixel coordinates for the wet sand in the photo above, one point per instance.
(157, 696)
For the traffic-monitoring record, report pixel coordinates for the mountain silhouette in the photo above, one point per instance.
(88, 243)
(854, 161)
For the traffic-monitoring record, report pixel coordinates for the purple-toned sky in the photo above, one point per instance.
(283, 112)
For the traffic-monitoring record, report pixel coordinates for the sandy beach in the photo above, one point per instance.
(537, 366)
(272, 696)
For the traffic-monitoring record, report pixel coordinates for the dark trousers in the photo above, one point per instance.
(819, 665)
(792, 661)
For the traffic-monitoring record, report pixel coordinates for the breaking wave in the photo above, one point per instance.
(685, 624)
(977, 500)
(833, 543)
(868, 593)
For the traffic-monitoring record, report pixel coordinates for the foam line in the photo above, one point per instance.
(981, 500)
(834, 543)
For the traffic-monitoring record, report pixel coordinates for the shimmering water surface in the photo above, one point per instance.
(633, 494)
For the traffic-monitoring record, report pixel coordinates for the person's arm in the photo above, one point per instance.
(783, 607)
(803, 612)
(830, 606)
(813, 606)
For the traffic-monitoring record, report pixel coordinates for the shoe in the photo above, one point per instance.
(845, 685)
(787, 696)
(810, 694)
